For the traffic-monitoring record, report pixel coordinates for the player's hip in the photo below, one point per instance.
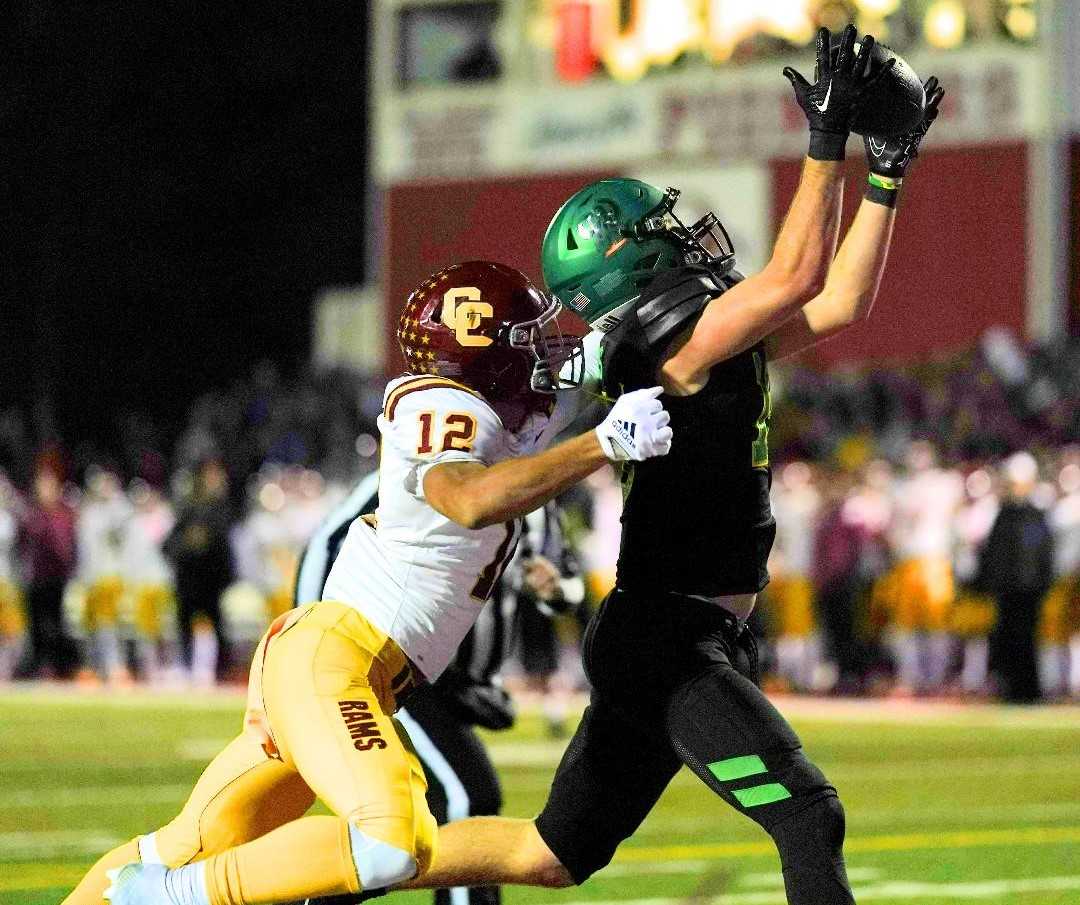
(645, 645)
(335, 647)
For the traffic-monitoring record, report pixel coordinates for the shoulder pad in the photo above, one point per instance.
(664, 307)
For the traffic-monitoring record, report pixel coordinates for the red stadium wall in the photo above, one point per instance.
(957, 267)
(431, 225)
(958, 260)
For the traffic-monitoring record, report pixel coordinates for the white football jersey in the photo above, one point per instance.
(416, 575)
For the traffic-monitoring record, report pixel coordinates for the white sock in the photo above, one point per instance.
(976, 659)
(187, 885)
(906, 649)
(1052, 669)
(939, 653)
(1074, 665)
(204, 652)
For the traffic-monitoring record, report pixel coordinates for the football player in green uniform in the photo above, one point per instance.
(672, 665)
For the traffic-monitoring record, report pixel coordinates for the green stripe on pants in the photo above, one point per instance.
(737, 767)
(759, 795)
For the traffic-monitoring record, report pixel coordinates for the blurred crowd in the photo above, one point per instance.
(901, 566)
(919, 579)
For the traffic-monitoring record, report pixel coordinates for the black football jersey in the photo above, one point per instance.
(698, 520)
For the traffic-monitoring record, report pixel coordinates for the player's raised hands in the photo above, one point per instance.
(636, 428)
(889, 158)
(838, 93)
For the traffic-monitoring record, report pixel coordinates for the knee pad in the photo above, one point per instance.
(379, 864)
(813, 836)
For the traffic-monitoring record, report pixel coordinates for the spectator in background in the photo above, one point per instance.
(870, 508)
(973, 614)
(198, 546)
(149, 577)
(46, 543)
(922, 534)
(790, 594)
(838, 550)
(1016, 567)
(102, 532)
(1059, 626)
(12, 620)
(545, 577)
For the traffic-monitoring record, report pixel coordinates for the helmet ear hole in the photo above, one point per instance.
(570, 243)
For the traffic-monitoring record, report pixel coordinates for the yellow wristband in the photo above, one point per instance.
(884, 182)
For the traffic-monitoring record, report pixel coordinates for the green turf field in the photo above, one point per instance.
(944, 804)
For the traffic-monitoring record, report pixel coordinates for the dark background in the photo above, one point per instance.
(178, 181)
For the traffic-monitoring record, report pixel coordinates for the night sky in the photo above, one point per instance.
(179, 179)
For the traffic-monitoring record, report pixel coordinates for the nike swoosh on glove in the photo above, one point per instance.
(838, 93)
(890, 157)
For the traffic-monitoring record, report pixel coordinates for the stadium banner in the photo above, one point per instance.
(996, 93)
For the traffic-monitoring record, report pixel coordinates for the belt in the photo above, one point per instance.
(408, 680)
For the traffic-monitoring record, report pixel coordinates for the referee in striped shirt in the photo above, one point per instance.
(440, 717)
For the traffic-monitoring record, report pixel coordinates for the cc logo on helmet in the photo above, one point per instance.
(463, 312)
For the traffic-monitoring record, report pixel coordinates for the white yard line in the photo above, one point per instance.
(40, 844)
(91, 796)
(954, 713)
(775, 878)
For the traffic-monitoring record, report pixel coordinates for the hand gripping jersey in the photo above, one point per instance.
(412, 572)
(696, 521)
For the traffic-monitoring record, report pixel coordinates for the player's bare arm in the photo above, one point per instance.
(853, 280)
(807, 239)
(476, 495)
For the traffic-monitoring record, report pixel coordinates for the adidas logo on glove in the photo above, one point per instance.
(636, 427)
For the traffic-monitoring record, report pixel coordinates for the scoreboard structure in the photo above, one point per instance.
(487, 115)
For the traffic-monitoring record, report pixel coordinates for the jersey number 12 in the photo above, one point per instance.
(459, 431)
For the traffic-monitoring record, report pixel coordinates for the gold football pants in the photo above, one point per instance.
(323, 684)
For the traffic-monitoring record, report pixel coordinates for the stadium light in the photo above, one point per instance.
(945, 23)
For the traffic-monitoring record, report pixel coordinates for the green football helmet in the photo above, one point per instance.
(611, 239)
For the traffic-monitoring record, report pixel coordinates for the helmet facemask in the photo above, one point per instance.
(558, 358)
(704, 242)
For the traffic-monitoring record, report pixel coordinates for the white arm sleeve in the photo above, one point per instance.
(571, 404)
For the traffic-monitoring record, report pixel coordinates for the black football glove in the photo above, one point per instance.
(889, 158)
(838, 93)
(475, 703)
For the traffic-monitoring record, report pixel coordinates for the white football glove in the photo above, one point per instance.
(636, 428)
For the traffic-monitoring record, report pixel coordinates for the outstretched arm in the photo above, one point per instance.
(807, 238)
(854, 278)
(850, 288)
(476, 495)
(759, 304)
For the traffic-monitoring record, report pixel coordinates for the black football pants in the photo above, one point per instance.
(670, 687)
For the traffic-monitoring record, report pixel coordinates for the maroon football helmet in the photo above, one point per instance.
(488, 327)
